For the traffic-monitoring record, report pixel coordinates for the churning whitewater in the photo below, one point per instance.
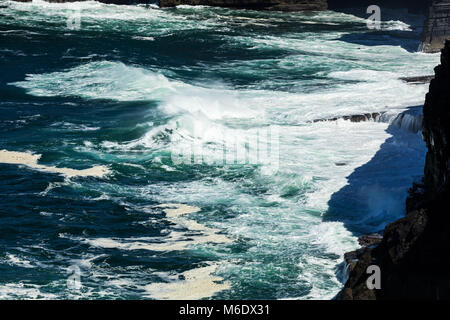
(94, 203)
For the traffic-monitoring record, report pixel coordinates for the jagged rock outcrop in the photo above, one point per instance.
(414, 254)
(417, 80)
(366, 241)
(437, 26)
(374, 116)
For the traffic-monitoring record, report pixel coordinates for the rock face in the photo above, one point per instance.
(366, 241)
(437, 27)
(436, 128)
(417, 80)
(280, 5)
(414, 254)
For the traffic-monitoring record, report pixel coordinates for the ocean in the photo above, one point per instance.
(175, 153)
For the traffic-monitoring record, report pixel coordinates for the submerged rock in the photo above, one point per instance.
(374, 116)
(417, 80)
(340, 164)
(365, 241)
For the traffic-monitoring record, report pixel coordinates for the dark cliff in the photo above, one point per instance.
(414, 254)
(437, 26)
(436, 129)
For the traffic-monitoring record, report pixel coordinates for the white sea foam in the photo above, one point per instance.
(176, 240)
(24, 291)
(372, 91)
(73, 127)
(102, 80)
(31, 161)
(144, 38)
(148, 21)
(18, 261)
(196, 284)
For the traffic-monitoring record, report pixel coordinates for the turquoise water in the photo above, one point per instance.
(135, 86)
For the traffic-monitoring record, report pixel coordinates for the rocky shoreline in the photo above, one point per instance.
(417, 80)
(374, 116)
(413, 254)
(437, 27)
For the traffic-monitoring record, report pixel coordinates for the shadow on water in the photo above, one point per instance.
(404, 39)
(407, 38)
(376, 192)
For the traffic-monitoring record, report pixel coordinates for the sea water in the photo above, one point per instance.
(97, 101)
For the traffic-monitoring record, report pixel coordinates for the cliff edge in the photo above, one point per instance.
(414, 253)
(437, 27)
